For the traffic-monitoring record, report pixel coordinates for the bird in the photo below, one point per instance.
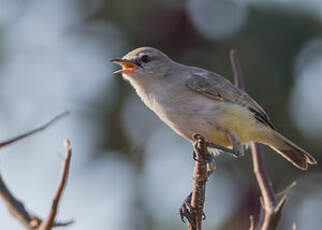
(193, 100)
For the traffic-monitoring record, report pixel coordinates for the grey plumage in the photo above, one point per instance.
(193, 100)
(218, 88)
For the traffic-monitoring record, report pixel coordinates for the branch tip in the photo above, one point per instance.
(67, 143)
(33, 131)
(251, 222)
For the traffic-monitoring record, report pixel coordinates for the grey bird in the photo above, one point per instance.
(193, 100)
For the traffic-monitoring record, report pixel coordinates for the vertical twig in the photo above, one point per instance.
(251, 223)
(199, 185)
(48, 223)
(238, 74)
(272, 210)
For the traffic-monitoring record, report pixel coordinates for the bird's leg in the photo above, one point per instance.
(228, 151)
(238, 148)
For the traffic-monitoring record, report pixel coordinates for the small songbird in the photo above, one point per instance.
(193, 100)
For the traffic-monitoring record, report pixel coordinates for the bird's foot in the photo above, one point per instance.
(188, 212)
(230, 152)
(238, 149)
(197, 156)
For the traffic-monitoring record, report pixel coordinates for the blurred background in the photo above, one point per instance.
(129, 170)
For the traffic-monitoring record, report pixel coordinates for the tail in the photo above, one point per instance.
(294, 154)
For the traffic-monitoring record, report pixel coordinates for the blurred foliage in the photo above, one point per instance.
(267, 45)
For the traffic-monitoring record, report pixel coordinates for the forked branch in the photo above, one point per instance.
(48, 223)
(272, 209)
(16, 208)
(30, 221)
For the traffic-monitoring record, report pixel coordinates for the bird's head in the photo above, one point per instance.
(143, 63)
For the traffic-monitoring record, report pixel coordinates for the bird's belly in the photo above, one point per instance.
(213, 120)
(193, 125)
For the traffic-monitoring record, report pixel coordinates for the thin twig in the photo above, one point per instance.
(287, 189)
(47, 224)
(199, 185)
(15, 207)
(268, 195)
(251, 223)
(238, 74)
(272, 209)
(29, 133)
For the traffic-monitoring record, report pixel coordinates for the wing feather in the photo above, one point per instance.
(216, 87)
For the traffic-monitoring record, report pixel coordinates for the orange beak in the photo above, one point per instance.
(127, 66)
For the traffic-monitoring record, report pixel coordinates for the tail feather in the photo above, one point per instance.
(290, 151)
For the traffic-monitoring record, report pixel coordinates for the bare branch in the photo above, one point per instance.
(251, 223)
(199, 185)
(29, 133)
(238, 75)
(27, 219)
(287, 189)
(272, 209)
(48, 223)
(263, 180)
(14, 206)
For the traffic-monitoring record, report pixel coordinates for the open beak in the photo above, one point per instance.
(127, 66)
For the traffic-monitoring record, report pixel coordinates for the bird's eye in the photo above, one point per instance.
(145, 58)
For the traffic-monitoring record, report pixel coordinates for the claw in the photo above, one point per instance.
(197, 156)
(197, 137)
(194, 155)
(203, 216)
(196, 152)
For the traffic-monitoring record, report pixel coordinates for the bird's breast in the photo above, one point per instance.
(186, 112)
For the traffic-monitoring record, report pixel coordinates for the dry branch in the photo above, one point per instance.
(48, 223)
(251, 223)
(28, 219)
(200, 177)
(15, 207)
(272, 209)
(34, 131)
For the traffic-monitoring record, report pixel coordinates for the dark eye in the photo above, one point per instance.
(145, 58)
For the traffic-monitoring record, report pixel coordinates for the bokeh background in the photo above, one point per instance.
(128, 170)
